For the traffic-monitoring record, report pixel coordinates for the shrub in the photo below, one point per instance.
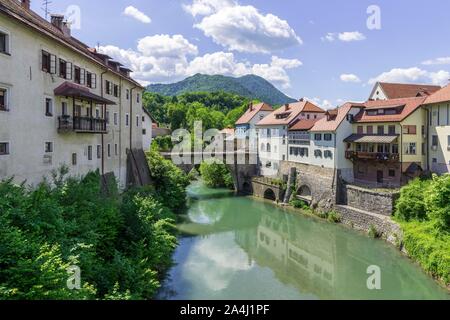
(299, 204)
(437, 201)
(373, 232)
(163, 143)
(334, 217)
(411, 204)
(216, 174)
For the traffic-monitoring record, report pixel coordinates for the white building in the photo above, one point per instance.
(61, 102)
(386, 91)
(248, 121)
(147, 129)
(273, 133)
(438, 110)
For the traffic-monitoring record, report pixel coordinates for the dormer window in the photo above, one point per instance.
(372, 113)
(283, 115)
(380, 111)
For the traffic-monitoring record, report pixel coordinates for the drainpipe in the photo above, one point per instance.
(103, 138)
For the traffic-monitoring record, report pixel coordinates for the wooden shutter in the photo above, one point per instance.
(94, 81)
(52, 64)
(82, 76)
(69, 71)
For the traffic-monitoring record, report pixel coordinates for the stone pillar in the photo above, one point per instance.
(291, 181)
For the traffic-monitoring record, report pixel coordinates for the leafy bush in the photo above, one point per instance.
(299, 204)
(411, 204)
(334, 217)
(121, 244)
(373, 232)
(163, 143)
(216, 174)
(437, 201)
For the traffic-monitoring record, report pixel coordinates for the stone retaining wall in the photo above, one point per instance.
(371, 200)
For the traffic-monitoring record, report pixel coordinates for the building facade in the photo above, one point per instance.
(147, 129)
(61, 102)
(254, 114)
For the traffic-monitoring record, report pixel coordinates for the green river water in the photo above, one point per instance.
(244, 248)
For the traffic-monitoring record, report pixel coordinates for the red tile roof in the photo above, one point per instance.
(15, 10)
(409, 106)
(303, 125)
(252, 112)
(442, 95)
(291, 112)
(406, 90)
(337, 116)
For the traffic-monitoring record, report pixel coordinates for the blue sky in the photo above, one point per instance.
(319, 49)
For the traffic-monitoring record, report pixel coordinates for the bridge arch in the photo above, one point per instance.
(304, 193)
(247, 188)
(269, 194)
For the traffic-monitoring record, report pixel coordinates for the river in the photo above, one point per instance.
(244, 248)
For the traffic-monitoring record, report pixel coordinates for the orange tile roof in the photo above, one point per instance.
(292, 112)
(410, 105)
(338, 115)
(442, 95)
(252, 112)
(15, 10)
(303, 125)
(407, 90)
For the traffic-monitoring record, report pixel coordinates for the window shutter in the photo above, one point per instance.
(41, 53)
(69, 71)
(94, 81)
(82, 76)
(52, 64)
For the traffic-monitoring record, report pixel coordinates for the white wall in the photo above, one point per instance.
(147, 125)
(378, 94)
(439, 126)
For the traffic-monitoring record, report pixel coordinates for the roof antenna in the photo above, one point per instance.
(45, 4)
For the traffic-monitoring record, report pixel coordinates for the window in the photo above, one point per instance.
(99, 151)
(137, 121)
(410, 148)
(391, 173)
(109, 150)
(116, 149)
(269, 149)
(128, 94)
(91, 80)
(127, 119)
(360, 130)
(307, 117)
(77, 77)
(409, 129)
(4, 43)
(116, 90)
(48, 147)
(328, 154)
(62, 68)
(69, 70)
(74, 159)
(89, 152)
(48, 62)
(391, 130)
(49, 107)
(434, 160)
(448, 142)
(143, 119)
(108, 87)
(380, 130)
(115, 118)
(435, 141)
(369, 129)
(395, 148)
(144, 132)
(4, 148)
(107, 116)
(3, 99)
(138, 98)
(372, 113)
(318, 137)
(423, 131)
(327, 137)
(64, 110)
(318, 153)
(97, 113)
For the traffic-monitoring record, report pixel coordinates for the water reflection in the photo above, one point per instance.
(247, 249)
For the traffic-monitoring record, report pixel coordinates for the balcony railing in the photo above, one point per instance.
(81, 124)
(380, 156)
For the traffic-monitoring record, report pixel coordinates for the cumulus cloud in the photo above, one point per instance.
(136, 14)
(349, 77)
(164, 58)
(323, 103)
(242, 28)
(412, 75)
(344, 36)
(437, 61)
(207, 7)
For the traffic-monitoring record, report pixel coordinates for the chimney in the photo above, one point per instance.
(301, 100)
(66, 29)
(57, 20)
(251, 106)
(26, 4)
(286, 107)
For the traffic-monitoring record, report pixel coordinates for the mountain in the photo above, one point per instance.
(249, 86)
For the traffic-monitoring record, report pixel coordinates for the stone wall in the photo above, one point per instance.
(260, 186)
(363, 221)
(321, 182)
(371, 200)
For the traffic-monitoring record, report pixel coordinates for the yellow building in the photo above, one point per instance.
(388, 145)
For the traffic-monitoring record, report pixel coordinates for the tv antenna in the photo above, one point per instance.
(45, 4)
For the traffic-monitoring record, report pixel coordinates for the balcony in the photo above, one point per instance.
(81, 125)
(378, 156)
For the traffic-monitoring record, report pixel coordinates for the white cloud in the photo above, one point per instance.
(245, 29)
(412, 75)
(437, 61)
(136, 14)
(350, 78)
(323, 103)
(207, 7)
(351, 36)
(165, 58)
(330, 37)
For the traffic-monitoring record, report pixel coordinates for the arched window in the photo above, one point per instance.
(268, 147)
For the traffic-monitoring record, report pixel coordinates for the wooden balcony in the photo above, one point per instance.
(81, 125)
(378, 156)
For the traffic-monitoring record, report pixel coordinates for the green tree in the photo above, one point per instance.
(216, 174)
(411, 203)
